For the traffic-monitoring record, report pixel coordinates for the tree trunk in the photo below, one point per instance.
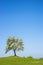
(14, 52)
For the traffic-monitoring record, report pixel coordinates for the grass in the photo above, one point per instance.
(20, 61)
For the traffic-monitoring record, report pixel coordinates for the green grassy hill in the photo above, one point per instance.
(20, 61)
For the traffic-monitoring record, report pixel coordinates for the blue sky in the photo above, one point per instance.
(22, 19)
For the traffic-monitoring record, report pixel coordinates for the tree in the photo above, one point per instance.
(14, 44)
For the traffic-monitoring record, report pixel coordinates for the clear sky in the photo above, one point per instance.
(22, 19)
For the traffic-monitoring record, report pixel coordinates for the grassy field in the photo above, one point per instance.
(20, 61)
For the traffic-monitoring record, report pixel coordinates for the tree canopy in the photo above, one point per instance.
(14, 44)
